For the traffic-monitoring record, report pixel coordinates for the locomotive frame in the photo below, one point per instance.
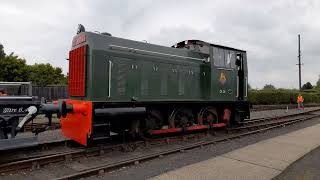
(118, 85)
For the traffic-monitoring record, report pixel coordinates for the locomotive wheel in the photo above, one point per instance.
(154, 120)
(180, 118)
(208, 115)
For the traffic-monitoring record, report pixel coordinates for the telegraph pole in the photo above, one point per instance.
(299, 62)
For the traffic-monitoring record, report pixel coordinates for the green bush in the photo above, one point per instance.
(282, 96)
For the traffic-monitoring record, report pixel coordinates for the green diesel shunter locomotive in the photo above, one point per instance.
(118, 85)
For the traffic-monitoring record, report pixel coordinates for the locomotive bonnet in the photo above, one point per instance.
(120, 86)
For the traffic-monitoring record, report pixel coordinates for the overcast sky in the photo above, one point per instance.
(41, 31)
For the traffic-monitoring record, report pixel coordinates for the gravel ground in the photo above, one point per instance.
(50, 135)
(308, 167)
(42, 119)
(154, 167)
(279, 106)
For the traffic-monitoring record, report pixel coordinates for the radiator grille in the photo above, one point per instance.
(77, 69)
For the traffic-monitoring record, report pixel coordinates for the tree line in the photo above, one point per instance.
(13, 68)
(305, 86)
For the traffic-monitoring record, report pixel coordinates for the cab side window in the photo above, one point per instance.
(230, 59)
(219, 57)
(224, 58)
(227, 58)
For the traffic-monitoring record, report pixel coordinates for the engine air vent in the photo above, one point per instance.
(77, 69)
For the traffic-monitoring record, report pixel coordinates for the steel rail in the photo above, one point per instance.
(37, 161)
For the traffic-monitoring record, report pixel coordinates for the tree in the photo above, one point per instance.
(268, 86)
(2, 54)
(45, 74)
(307, 85)
(13, 69)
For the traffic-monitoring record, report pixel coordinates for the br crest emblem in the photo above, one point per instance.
(222, 78)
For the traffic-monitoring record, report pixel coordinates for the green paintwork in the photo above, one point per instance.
(146, 72)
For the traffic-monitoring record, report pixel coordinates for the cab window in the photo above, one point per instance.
(219, 57)
(230, 59)
(224, 58)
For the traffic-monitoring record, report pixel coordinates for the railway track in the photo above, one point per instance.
(257, 120)
(56, 125)
(255, 126)
(262, 123)
(37, 161)
(278, 106)
(98, 170)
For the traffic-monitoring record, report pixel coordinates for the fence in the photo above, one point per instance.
(50, 92)
(16, 88)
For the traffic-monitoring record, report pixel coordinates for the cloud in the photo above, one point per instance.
(41, 31)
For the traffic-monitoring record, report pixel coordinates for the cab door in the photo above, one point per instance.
(223, 76)
(240, 76)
